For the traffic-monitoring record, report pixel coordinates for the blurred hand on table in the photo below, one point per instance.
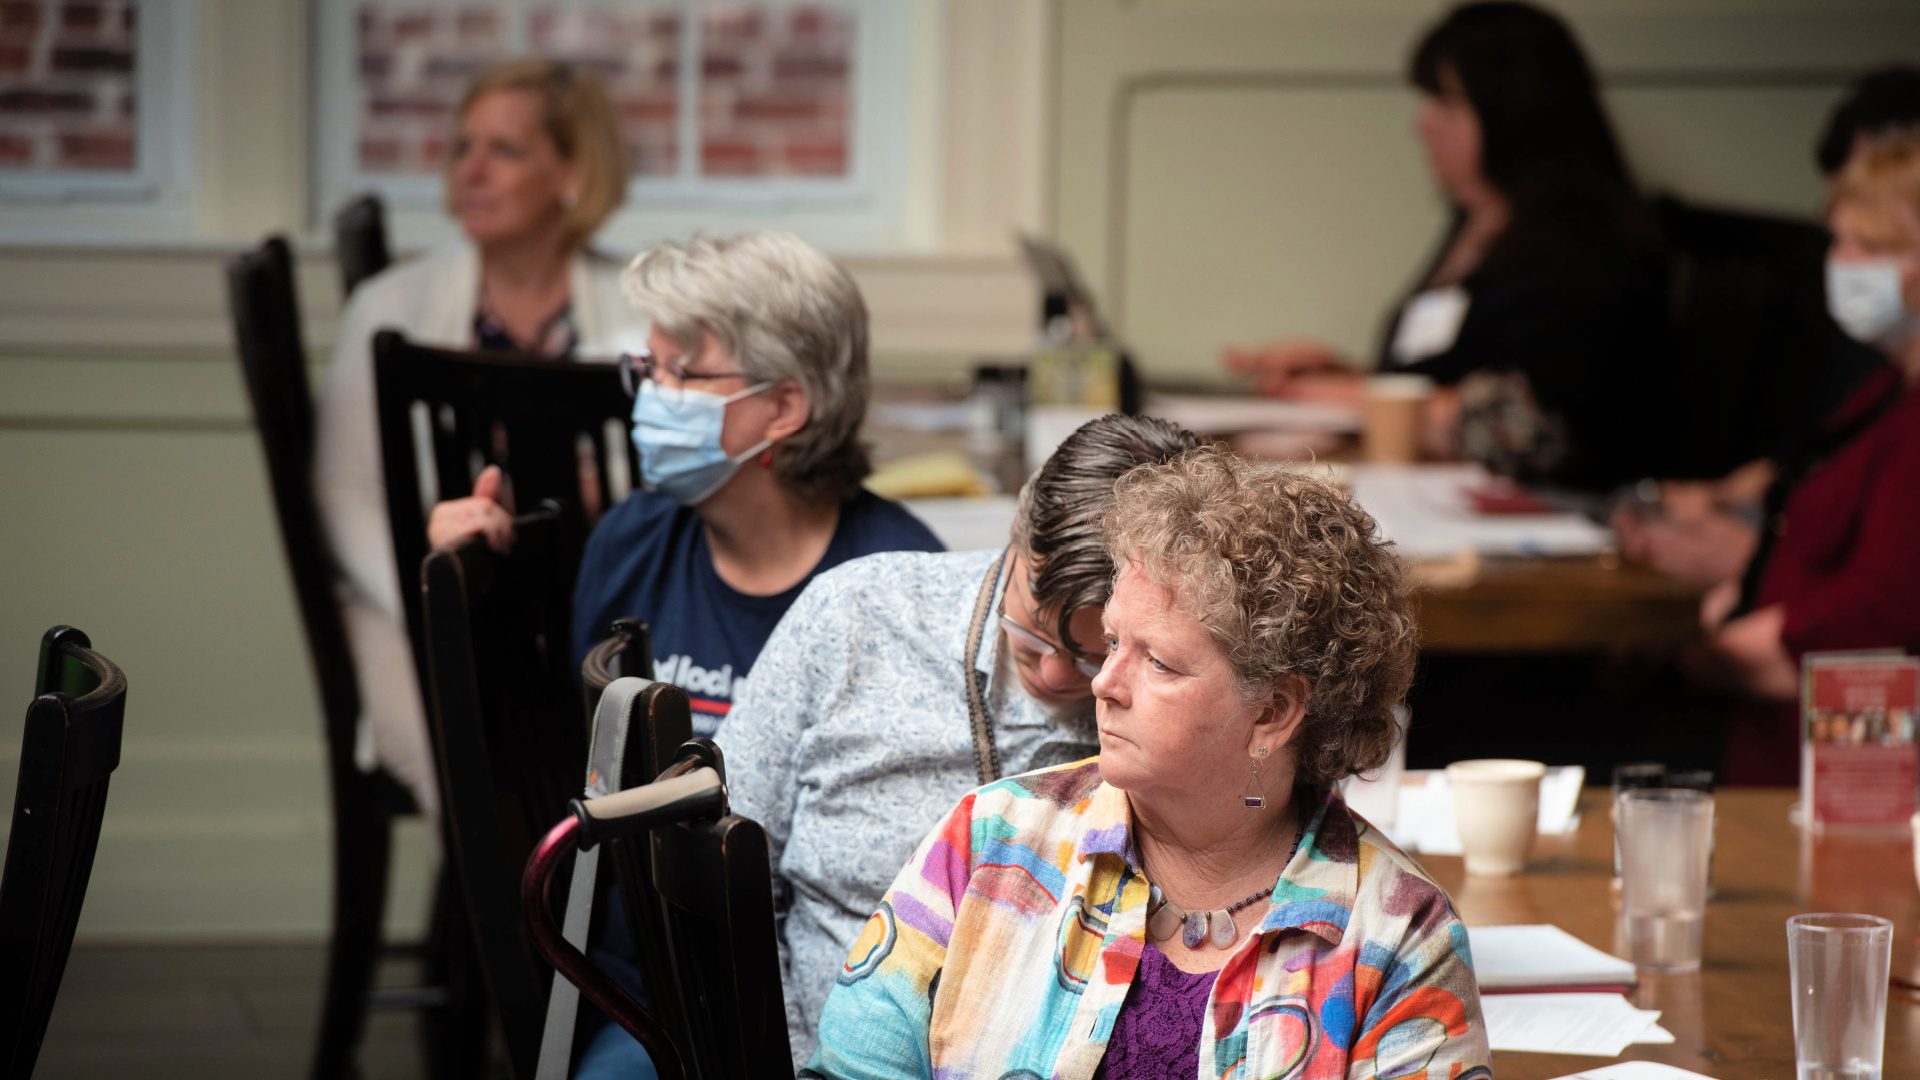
(1746, 653)
(1691, 541)
(1299, 369)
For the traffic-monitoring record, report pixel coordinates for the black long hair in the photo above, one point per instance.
(1546, 144)
(1880, 101)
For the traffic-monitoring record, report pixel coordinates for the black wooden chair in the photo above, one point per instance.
(508, 740)
(70, 749)
(266, 320)
(714, 888)
(360, 241)
(555, 427)
(627, 650)
(1760, 362)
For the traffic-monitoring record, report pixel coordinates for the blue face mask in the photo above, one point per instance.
(678, 436)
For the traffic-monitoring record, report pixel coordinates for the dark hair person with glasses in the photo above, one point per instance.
(898, 683)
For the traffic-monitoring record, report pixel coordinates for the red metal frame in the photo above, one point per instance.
(576, 968)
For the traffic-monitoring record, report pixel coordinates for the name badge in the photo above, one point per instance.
(1430, 324)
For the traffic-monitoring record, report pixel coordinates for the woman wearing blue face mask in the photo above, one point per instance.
(747, 409)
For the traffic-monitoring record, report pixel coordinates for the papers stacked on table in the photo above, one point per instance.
(1603, 1025)
(1540, 956)
(1423, 820)
(1424, 509)
(1569, 1020)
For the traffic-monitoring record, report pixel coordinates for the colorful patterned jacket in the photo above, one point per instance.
(1006, 947)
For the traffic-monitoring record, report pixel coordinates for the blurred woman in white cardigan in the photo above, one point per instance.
(536, 166)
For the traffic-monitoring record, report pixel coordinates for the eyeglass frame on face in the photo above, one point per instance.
(638, 367)
(1020, 636)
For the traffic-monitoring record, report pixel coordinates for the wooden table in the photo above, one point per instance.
(1732, 1019)
(1591, 604)
(1509, 605)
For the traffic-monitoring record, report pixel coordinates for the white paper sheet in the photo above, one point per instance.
(1603, 1025)
(1422, 509)
(1424, 822)
(1542, 955)
(1636, 1070)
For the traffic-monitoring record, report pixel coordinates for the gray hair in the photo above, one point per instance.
(1058, 520)
(782, 310)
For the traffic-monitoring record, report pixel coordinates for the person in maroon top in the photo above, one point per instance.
(1835, 563)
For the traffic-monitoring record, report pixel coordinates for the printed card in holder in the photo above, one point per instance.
(1430, 324)
(1859, 763)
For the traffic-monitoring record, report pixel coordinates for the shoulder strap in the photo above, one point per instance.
(986, 757)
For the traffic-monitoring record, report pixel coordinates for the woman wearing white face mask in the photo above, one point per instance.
(1835, 566)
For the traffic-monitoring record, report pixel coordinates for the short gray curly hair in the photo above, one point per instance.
(1286, 574)
(782, 310)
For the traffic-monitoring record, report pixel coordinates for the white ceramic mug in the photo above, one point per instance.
(1496, 807)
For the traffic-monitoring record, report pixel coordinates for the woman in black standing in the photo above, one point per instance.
(1542, 316)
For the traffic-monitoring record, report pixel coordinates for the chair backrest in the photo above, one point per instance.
(715, 883)
(715, 892)
(505, 725)
(627, 651)
(360, 241)
(558, 429)
(266, 329)
(1760, 360)
(71, 747)
(637, 727)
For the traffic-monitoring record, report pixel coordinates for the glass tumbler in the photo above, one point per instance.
(1839, 968)
(1665, 835)
(1627, 777)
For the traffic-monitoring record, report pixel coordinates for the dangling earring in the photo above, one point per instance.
(766, 458)
(1255, 802)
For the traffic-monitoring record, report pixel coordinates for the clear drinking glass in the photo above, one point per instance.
(1664, 836)
(1839, 968)
(1627, 777)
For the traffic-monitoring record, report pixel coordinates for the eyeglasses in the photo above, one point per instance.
(644, 366)
(1036, 646)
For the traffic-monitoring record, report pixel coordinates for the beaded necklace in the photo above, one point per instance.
(1164, 916)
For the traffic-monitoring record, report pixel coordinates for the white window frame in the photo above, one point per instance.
(155, 200)
(866, 210)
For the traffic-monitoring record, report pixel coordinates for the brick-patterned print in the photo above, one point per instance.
(415, 63)
(67, 85)
(636, 52)
(776, 91)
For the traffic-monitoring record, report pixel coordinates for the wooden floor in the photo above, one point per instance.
(208, 1012)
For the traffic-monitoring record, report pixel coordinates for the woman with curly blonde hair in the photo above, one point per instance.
(1197, 900)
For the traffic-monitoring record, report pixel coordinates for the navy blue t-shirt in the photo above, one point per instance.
(648, 558)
